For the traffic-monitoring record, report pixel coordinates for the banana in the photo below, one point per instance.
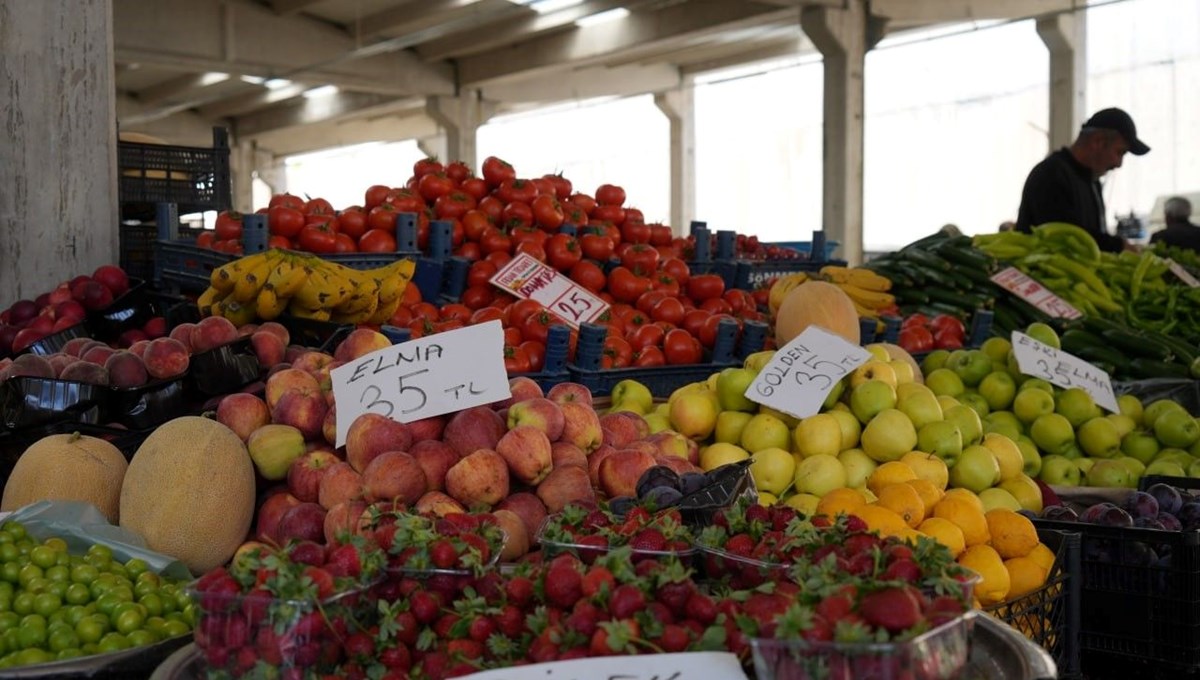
(359, 315)
(867, 298)
(238, 313)
(383, 313)
(781, 288)
(225, 277)
(287, 276)
(252, 280)
(863, 278)
(319, 292)
(865, 311)
(207, 299)
(269, 305)
(300, 311)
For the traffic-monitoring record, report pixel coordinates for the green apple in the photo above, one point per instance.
(273, 448)
(946, 401)
(1052, 433)
(694, 414)
(789, 421)
(889, 436)
(730, 425)
(634, 393)
(1099, 438)
(1194, 469)
(943, 439)
(873, 370)
(1136, 467)
(976, 469)
(998, 498)
(858, 466)
(1026, 491)
(968, 423)
(1008, 455)
(628, 407)
(1156, 409)
(819, 434)
(1194, 449)
(1110, 473)
(851, 428)
(999, 389)
(1037, 384)
(870, 398)
(1029, 405)
(1004, 420)
(1014, 368)
(714, 456)
(919, 403)
(1072, 450)
(773, 470)
(657, 422)
(1177, 456)
(1059, 471)
(976, 402)
(1000, 427)
(1131, 406)
(731, 389)
(765, 431)
(835, 394)
(755, 362)
(1167, 468)
(1043, 334)
(1141, 445)
(1029, 452)
(1084, 464)
(1076, 405)
(996, 348)
(820, 474)
(934, 360)
(971, 365)
(1176, 428)
(1124, 424)
(944, 381)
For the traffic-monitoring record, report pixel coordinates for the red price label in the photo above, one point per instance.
(525, 277)
(1016, 282)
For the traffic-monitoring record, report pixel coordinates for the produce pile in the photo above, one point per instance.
(26, 322)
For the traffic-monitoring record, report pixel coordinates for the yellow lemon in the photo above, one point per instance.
(930, 494)
(945, 532)
(841, 501)
(880, 519)
(1024, 576)
(1012, 534)
(888, 474)
(767, 499)
(804, 503)
(966, 517)
(903, 500)
(967, 495)
(1043, 556)
(985, 561)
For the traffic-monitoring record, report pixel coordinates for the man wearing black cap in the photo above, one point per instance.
(1065, 187)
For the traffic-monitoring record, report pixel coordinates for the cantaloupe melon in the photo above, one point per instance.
(189, 492)
(68, 467)
(816, 303)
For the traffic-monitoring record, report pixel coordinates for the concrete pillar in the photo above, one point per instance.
(435, 147)
(241, 166)
(1065, 35)
(841, 36)
(460, 117)
(58, 166)
(679, 106)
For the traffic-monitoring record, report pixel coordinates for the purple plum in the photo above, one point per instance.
(1115, 517)
(1141, 504)
(1189, 515)
(1168, 497)
(1170, 522)
(1148, 523)
(1060, 513)
(1092, 514)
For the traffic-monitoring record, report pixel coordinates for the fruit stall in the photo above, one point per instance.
(479, 422)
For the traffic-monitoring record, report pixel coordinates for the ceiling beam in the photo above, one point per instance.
(728, 56)
(302, 111)
(320, 136)
(587, 83)
(185, 128)
(173, 88)
(237, 37)
(261, 98)
(449, 15)
(291, 6)
(942, 11)
(643, 31)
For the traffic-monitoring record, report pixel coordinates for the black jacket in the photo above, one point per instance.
(1061, 189)
(1181, 235)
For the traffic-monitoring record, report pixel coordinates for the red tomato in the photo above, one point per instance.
(318, 239)
(562, 185)
(523, 309)
(666, 283)
(434, 185)
(660, 235)
(945, 323)
(648, 300)
(377, 241)
(617, 353)
(424, 311)
(635, 232)
(705, 287)
(287, 201)
(646, 335)
(589, 275)
(458, 171)
(547, 212)
(708, 331)
(536, 351)
(517, 191)
(916, 339)
(492, 207)
(529, 235)
(318, 206)
(382, 217)
(676, 268)
(916, 319)
(495, 171)
(229, 225)
(649, 356)
(322, 219)
(609, 194)
(641, 259)
(454, 312)
(474, 187)
(499, 258)
(453, 206)
(279, 242)
(573, 214)
(668, 309)
(562, 251)
(516, 215)
(405, 200)
(402, 317)
(480, 273)
(716, 306)
(585, 203)
(485, 314)
(206, 239)
(474, 223)
(516, 360)
(512, 336)
(344, 244)
(427, 165)
(284, 221)
(613, 214)
(679, 347)
(495, 241)
(478, 297)
(947, 339)
(626, 286)
(376, 195)
(470, 251)
(352, 222)
(536, 326)
(694, 320)
(532, 249)
(596, 247)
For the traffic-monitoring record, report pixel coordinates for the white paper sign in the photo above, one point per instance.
(438, 374)
(525, 277)
(1063, 369)
(1183, 274)
(1016, 282)
(802, 372)
(683, 666)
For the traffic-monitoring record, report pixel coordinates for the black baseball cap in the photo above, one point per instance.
(1117, 120)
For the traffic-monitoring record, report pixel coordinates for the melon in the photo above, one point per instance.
(896, 352)
(189, 492)
(68, 467)
(816, 303)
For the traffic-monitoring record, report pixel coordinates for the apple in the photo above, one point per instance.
(538, 412)
(343, 520)
(732, 384)
(968, 422)
(304, 474)
(528, 507)
(976, 402)
(517, 538)
(919, 403)
(1110, 473)
(473, 429)
(1053, 434)
(273, 448)
(480, 478)
(394, 476)
(1123, 423)
(1044, 334)
(243, 413)
(360, 342)
(944, 381)
(730, 425)
(975, 470)
(620, 471)
(774, 470)
(1030, 404)
(566, 453)
(942, 439)
(339, 484)
(302, 522)
(970, 365)
(567, 484)
(266, 527)
(1031, 456)
(1131, 406)
(1176, 428)
(1008, 455)
(715, 455)
(438, 504)
(888, 436)
(765, 431)
(1141, 445)
(997, 498)
(870, 398)
(999, 389)
(435, 459)
(581, 426)
(1099, 438)
(527, 452)
(569, 391)
(520, 389)
(875, 369)
(1165, 468)
(858, 467)
(818, 434)
(1059, 471)
(634, 394)
(820, 474)
(1076, 405)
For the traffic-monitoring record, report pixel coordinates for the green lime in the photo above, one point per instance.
(14, 529)
(43, 556)
(129, 621)
(113, 642)
(8, 620)
(31, 636)
(84, 573)
(63, 639)
(28, 573)
(153, 604)
(91, 629)
(58, 588)
(11, 571)
(142, 638)
(173, 628)
(31, 656)
(59, 573)
(23, 603)
(77, 593)
(46, 604)
(73, 653)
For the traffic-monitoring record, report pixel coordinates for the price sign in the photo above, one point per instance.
(802, 372)
(685, 666)
(525, 277)
(1183, 274)
(1060, 368)
(1016, 282)
(427, 377)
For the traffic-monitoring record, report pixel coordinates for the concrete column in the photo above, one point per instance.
(435, 147)
(679, 106)
(460, 117)
(1065, 35)
(242, 164)
(841, 36)
(58, 166)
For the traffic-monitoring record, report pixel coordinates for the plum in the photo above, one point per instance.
(663, 496)
(1060, 513)
(1148, 523)
(1189, 515)
(656, 477)
(1092, 514)
(621, 505)
(1141, 504)
(1168, 497)
(1170, 522)
(691, 482)
(1115, 517)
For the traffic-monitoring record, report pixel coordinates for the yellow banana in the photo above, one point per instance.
(867, 298)
(300, 311)
(287, 276)
(781, 288)
(358, 316)
(225, 277)
(239, 314)
(863, 278)
(207, 299)
(247, 286)
(383, 313)
(866, 312)
(269, 305)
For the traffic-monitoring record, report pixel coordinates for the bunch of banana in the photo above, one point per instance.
(265, 285)
(782, 286)
(867, 289)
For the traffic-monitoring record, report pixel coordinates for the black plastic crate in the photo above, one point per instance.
(224, 369)
(1049, 616)
(195, 178)
(323, 336)
(138, 241)
(149, 405)
(185, 265)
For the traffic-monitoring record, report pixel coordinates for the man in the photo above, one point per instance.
(1180, 231)
(1065, 187)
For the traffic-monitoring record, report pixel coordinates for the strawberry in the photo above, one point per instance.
(674, 638)
(701, 608)
(660, 612)
(425, 606)
(443, 554)
(835, 607)
(899, 551)
(862, 564)
(359, 647)
(563, 585)
(519, 590)
(322, 579)
(306, 552)
(406, 628)
(902, 570)
(675, 595)
(614, 637)
(741, 545)
(584, 618)
(648, 540)
(245, 660)
(758, 513)
(626, 600)
(464, 649)
(895, 609)
(597, 579)
(481, 628)
(510, 621)
(447, 627)
(479, 544)
(855, 524)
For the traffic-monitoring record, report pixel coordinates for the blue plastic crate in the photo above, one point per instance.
(185, 265)
(554, 369)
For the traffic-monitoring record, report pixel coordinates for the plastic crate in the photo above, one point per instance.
(31, 402)
(195, 178)
(1139, 597)
(1049, 616)
(322, 336)
(137, 247)
(554, 369)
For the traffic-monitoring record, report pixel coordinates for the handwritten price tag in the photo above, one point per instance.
(427, 377)
(1060, 368)
(802, 372)
(1016, 282)
(1183, 274)
(525, 277)
(685, 666)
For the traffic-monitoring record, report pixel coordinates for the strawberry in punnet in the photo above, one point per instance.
(457, 543)
(590, 532)
(894, 609)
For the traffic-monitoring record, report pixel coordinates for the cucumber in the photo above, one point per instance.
(1138, 344)
(1149, 368)
(1102, 355)
(964, 257)
(926, 259)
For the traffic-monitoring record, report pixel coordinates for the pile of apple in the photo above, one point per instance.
(28, 321)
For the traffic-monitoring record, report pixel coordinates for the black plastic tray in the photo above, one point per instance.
(224, 369)
(149, 405)
(131, 310)
(27, 401)
(56, 341)
(138, 662)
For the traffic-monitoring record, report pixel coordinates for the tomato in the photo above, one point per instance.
(419, 329)
(716, 306)
(522, 310)
(916, 319)
(485, 314)
(693, 320)
(573, 214)
(382, 217)
(536, 351)
(633, 318)
(679, 347)
(287, 201)
(229, 225)
(563, 252)
(377, 241)
(434, 186)
(532, 249)
(708, 330)
(648, 300)
(474, 187)
(376, 195)
(626, 286)
(641, 259)
(585, 203)
(453, 206)
(427, 165)
(617, 353)
(318, 206)
(480, 273)
(492, 207)
(916, 339)
(205, 239)
(516, 215)
(676, 268)
(945, 323)
(494, 241)
(517, 191)
(666, 283)
(529, 234)
(612, 232)
(646, 335)
(285, 221)
(536, 326)
(739, 300)
(405, 200)
(589, 275)
(424, 311)
(499, 258)
(279, 242)
(660, 235)
(478, 297)
(318, 239)
(649, 356)
(612, 214)
(596, 247)
(495, 171)
(469, 251)
(402, 317)
(516, 359)
(562, 185)
(352, 222)
(454, 312)
(609, 194)
(668, 309)
(635, 232)
(947, 339)
(322, 220)
(705, 287)
(547, 212)
(474, 223)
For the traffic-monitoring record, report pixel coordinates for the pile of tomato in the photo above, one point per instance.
(920, 333)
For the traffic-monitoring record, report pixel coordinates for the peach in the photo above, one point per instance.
(166, 358)
(620, 471)
(528, 507)
(98, 354)
(622, 428)
(581, 426)
(155, 328)
(566, 453)
(342, 521)
(679, 465)
(287, 380)
(480, 478)
(113, 277)
(526, 450)
(183, 334)
(139, 348)
(278, 330)
(538, 412)
(36, 366)
(370, 435)
(340, 483)
(294, 352)
(394, 475)
(125, 369)
(268, 348)
(672, 443)
(521, 388)
(59, 362)
(360, 342)
(247, 329)
(435, 459)
(74, 345)
(302, 410)
(304, 522)
(126, 339)
(304, 475)
(80, 371)
(438, 503)
(564, 485)
(212, 332)
(427, 428)
(473, 429)
(570, 392)
(269, 514)
(517, 541)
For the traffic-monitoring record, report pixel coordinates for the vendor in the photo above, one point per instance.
(1180, 231)
(1065, 187)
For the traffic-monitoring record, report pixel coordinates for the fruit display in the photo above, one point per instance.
(940, 274)
(588, 533)
(25, 322)
(70, 468)
(920, 334)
